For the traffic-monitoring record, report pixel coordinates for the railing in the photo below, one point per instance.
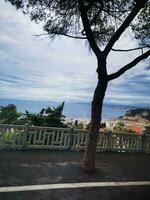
(34, 137)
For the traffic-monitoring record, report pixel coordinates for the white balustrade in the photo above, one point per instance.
(35, 137)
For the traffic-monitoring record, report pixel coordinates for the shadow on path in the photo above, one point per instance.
(45, 167)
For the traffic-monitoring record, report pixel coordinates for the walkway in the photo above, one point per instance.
(51, 169)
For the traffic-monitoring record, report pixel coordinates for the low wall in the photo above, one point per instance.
(35, 137)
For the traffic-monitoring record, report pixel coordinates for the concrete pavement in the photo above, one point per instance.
(18, 168)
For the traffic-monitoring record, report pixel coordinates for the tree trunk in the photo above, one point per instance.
(88, 163)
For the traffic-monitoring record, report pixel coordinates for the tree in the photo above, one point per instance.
(54, 116)
(78, 125)
(101, 23)
(46, 117)
(9, 114)
(33, 119)
(142, 112)
(120, 127)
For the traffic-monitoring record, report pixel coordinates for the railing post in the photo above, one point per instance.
(142, 142)
(25, 135)
(109, 141)
(71, 138)
(2, 145)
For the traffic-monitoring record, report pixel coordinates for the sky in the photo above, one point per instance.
(35, 68)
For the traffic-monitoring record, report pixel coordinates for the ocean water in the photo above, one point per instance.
(72, 110)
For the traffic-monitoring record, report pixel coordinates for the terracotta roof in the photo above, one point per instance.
(136, 129)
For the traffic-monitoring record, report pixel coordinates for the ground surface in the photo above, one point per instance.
(19, 168)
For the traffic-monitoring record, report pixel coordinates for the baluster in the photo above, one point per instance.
(71, 139)
(48, 139)
(61, 139)
(109, 147)
(14, 137)
(30, 137)
(3, 137)
(25, 136)
(40, 135)
(34, 138)
(53, 136)
(132, 144)
(57, 136)
(122, 138)
(65, 140)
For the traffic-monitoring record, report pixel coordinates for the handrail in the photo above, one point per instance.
(38, 137)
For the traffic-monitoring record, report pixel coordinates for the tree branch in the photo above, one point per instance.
(63, 34)
(129, 66)
(95, 17)
(133, 49)
(124, 25)
(88, 30)
(89, 6)
(112, 15)
(93, 20)
(97, 14)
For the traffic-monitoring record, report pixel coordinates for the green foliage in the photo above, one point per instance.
(121, 128)
(141, 27)
(9, 114)
(118, 127)
(78, 125)
(63, 17)
(142, 112)
(103, 125)
(10, 138)
(51, 117)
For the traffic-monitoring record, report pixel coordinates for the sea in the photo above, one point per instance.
(74, 110)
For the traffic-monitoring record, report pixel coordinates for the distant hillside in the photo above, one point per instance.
(143, 112)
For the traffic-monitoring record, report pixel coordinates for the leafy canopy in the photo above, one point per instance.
(9, 114)
(63, 17)
(121, 128)
(50, 117)
(142, 26)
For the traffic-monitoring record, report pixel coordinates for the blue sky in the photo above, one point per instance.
(34, 68)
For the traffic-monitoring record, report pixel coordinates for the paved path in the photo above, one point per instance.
(27, 168)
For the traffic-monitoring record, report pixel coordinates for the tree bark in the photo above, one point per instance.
(88, 162)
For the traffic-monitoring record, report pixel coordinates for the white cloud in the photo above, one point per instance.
(35, 68)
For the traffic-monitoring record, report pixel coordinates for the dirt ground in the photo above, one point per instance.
(45, 167)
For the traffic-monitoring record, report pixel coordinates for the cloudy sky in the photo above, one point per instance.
(34, 68)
